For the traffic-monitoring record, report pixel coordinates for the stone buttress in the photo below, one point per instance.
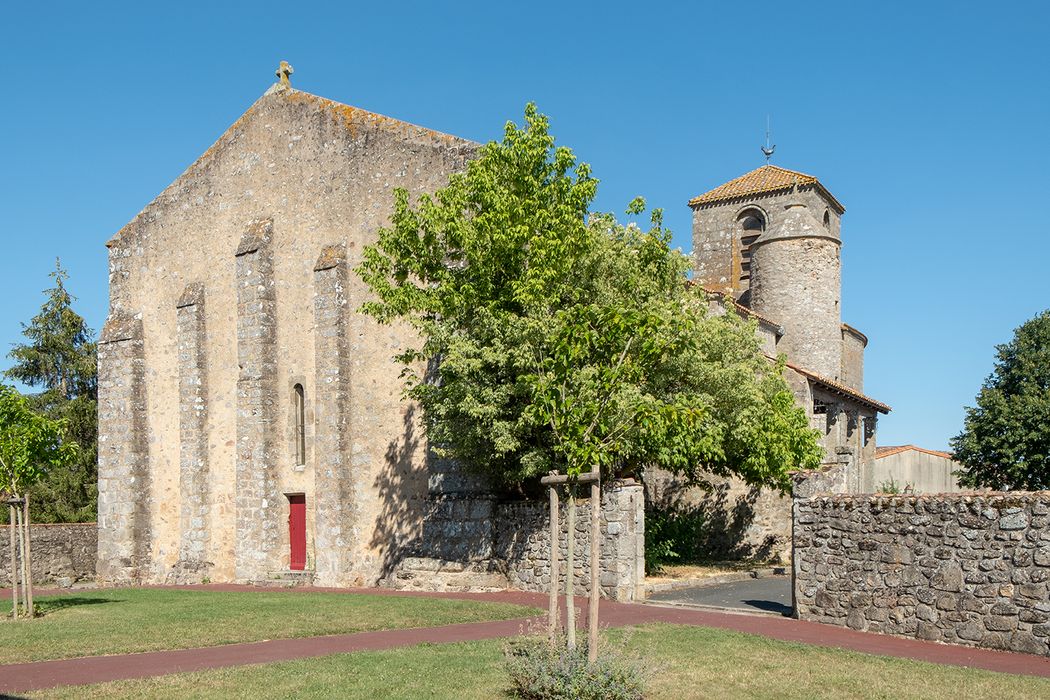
(124, 494)
(333, 486)
(194, 516)
(258, 499)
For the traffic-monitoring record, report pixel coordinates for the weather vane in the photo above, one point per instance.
(768, 149)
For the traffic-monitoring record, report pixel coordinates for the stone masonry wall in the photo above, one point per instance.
(523, 543)
(739, 521)
(853, 344)
(63, 553)
(796, 282)
(960, 568)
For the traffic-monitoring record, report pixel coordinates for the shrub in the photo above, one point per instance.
(674, 535)
(541, 671)
(892, 486)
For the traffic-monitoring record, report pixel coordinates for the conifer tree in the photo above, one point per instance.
(59, 360)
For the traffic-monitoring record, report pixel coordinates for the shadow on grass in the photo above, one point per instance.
(50, 605)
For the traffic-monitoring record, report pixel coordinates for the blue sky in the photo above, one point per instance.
(928, 120)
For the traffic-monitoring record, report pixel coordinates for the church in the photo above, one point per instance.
(768, 245)
(251, 426)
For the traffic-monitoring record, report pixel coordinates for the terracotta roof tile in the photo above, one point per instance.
(841, 388)
(891, 450)
(746, 311)
(768, 178)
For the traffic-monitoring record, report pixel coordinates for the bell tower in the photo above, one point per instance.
(730, 218)
(771, 239)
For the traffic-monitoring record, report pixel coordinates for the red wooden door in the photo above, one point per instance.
(297, 532)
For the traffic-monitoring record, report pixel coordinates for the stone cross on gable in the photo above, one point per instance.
(284, 73)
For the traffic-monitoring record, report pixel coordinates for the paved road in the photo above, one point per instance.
(771, 594)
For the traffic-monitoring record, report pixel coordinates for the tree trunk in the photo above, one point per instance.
(596, 533)
(28, 583)
(555, 561)
(14, 562)
(570, 603)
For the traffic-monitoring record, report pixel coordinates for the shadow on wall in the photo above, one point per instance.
(401, 494)
(715, 519)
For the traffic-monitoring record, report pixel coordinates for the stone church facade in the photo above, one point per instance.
(235, 373)
(251, 423)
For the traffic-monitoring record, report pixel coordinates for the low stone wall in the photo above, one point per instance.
(523, 543)
(62, 553)
(831, 477)
(960, 568)
(459, 527)
(734, 520)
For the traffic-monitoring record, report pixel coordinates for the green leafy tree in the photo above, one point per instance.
(59, 359)
(1005, 441)
(31, 445)
(558, 342)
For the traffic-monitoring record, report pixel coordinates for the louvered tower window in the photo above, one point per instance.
(751, 225)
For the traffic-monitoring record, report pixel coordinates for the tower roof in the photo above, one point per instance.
(768, 178)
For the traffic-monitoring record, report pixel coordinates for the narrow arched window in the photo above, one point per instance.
(751, 223)
(827, 219)
(299, 407)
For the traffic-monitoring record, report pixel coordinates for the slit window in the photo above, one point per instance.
(299, 407)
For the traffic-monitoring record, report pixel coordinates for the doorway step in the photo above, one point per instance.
(440, 575)
(285, 579)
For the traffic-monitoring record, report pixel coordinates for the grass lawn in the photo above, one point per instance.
(691, 662)
(122, 620)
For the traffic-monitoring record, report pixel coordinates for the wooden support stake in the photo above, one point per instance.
(570, 600)
(555, 563)
(20, 522)
(28, 583)
(14, 563)
(596, 534)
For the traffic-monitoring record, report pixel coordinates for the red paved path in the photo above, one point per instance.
(46, 674)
